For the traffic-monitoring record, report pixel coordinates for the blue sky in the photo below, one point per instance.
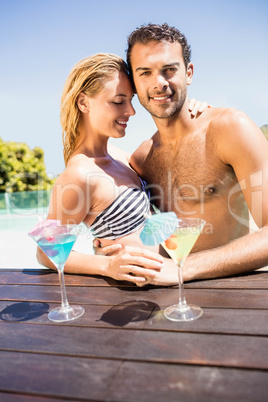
(41, 40)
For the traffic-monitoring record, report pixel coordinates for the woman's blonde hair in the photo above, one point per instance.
(88, 76)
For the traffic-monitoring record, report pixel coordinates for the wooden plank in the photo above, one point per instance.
(214, 298)
(253, 280)
(157, 346)
(50, 277)
(179, 383)
(143, 315)
(106, 380)
(56, 376)
(12, 397)
(221, 321)
(133, 315)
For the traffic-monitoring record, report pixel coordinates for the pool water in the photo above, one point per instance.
(16, 222)
(17, 249)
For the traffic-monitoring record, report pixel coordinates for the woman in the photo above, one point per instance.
(98, 187)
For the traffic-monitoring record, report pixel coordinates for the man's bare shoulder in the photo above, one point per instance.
(119, 154)
(140, 155)
(143, 149)
(227, 118)
(232, 131)
(143, 152)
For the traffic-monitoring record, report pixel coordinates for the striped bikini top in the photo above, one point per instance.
(125, 215)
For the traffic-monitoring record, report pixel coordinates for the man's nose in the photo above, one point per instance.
(161, 82)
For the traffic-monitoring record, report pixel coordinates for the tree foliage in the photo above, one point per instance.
(264, 129)
(22, 169)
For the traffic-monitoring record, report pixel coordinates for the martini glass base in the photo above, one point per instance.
(61, 314)
(187, 312)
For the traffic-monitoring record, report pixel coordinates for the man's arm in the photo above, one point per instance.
(241, 144)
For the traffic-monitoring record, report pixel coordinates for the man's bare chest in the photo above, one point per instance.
(191, 173)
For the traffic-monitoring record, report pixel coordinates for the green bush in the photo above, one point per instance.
(22, 169)
(2, 201)
(264, 129)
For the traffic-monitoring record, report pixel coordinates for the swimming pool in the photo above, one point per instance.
(17, 249)
(19, 222)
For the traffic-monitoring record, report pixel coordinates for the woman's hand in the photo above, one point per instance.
(197, 107)
(132, 264)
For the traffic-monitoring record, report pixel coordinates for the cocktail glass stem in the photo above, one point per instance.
(64, 300)
(65, 312)
(182, 311)
(182, 301)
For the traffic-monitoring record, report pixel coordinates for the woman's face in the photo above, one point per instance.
(110, 110)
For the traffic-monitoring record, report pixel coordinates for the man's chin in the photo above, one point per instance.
(167, 114)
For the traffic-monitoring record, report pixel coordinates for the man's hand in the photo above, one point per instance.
(132, 264)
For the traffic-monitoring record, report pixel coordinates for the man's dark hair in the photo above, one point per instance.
(158, 33)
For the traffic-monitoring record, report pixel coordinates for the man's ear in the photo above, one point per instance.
(83, 102)
(189, 73)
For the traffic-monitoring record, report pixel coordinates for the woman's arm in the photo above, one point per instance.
(70, 204)
(128, 264)
(197, 107)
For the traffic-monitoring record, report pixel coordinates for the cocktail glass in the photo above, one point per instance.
(56, 241)
(178, 246)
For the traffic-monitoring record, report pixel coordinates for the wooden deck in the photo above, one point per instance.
(123, 349)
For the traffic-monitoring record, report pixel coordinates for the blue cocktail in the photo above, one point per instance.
(56, 241)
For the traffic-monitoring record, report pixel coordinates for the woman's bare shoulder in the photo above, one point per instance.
(78, 170)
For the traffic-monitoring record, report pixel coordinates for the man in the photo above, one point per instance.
(214, 167)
